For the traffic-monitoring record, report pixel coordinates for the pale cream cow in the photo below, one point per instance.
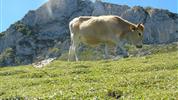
(110, 30)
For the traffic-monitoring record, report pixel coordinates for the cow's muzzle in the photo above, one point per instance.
(139, 46)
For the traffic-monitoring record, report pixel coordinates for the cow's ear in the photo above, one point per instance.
(133, 28)
(140, 26)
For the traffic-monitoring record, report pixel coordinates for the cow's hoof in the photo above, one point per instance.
(125, 56)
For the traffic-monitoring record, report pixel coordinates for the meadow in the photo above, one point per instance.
(146, 77)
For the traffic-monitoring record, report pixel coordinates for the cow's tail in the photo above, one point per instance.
(72, 41)
(71, 31)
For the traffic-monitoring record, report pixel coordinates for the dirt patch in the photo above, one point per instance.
(115, 94)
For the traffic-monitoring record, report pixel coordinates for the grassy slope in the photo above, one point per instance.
(149, 77)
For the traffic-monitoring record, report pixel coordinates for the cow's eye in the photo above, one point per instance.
(140, 34)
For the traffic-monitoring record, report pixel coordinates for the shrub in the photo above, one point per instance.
(7, 57)
(2, 34)
(23, 28)
(53, 52)
(148, 9)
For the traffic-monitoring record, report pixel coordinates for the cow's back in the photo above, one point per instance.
(98, 29)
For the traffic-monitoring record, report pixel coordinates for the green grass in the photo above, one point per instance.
(151, 77)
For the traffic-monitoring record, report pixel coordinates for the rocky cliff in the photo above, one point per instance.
(44, 32)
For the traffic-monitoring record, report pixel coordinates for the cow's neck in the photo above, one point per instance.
(126, 37)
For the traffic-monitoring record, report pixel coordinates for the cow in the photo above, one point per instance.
(106, 29)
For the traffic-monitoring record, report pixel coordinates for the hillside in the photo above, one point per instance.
(43, 33)
(149, 77)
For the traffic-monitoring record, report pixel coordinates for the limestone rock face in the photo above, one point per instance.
(161, 26)
(44, 33)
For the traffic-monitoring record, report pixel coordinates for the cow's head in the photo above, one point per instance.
(137, 35)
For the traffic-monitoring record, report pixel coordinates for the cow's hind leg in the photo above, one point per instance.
(76, 46)
(76, 43)
(70, 53)
(73, 50)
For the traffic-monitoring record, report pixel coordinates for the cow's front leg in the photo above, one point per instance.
(121, 54)
(124, 52)
(106, 56)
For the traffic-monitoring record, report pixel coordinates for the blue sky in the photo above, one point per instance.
(13, 10)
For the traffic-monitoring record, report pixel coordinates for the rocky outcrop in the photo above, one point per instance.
(44, 33)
